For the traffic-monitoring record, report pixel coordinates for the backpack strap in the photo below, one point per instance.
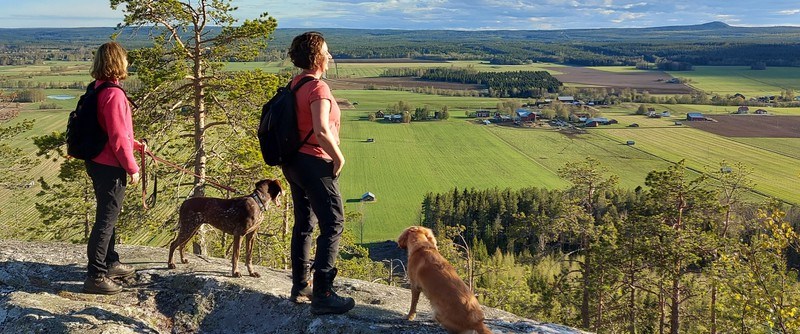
(294, 89)
(108, 84)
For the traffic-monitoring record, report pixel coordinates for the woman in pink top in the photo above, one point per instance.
(109, 171)
(313, 178)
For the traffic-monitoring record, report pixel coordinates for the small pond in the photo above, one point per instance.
(61, 97)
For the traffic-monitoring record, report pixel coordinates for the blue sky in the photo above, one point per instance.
(439, 14)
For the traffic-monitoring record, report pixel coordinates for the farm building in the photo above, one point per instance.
(579, 117)
(761, 112)
(396, 118)
(695, 116)
(379, 114)
(595, 122)
(743, 110)
(526, 115)
(368, 197)
(566, 99)
(482, 113)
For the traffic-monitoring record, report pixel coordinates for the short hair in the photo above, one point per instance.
(306, 50)
(109, 62)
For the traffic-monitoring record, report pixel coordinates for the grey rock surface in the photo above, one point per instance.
(40, 292)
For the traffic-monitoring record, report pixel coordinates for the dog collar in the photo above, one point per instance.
(260, 203)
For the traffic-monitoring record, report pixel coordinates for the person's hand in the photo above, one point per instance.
(337, 166)
(134, 178)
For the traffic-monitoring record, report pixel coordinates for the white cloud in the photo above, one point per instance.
(627, 17)
(789, 12)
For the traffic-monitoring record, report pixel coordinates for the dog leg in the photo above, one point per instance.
(186, 238)
(180, 240)
(235, 258)
(412, 313)
(249, 240)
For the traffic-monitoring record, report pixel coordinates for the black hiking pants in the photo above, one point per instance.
(316, 199)
(109, 189)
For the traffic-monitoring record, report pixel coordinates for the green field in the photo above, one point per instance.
(740, 79)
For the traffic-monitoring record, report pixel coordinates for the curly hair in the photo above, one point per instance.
(306, 50)
(109, 62)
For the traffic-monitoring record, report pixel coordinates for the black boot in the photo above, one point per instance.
(324, 300)
(301, 284)
(101, 285)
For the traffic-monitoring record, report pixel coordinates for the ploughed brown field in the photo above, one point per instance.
(764, 126)
(642, 81)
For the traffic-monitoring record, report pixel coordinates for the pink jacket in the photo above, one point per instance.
(114, 116)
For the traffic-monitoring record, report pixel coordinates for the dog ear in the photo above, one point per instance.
(403, 239)
(431, 238)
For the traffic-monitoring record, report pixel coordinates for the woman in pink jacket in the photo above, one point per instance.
(110, 170)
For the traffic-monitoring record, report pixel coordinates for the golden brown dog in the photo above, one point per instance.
(454, 306)
(240, 216)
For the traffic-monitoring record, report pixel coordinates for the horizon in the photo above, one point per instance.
(468, 15)
(452, 29)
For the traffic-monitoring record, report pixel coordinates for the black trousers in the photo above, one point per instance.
(109, 189)
(316, 199)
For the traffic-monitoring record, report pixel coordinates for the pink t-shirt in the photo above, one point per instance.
(313, 91)
(114, 116)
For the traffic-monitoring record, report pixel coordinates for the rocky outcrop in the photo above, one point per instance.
(40, 292)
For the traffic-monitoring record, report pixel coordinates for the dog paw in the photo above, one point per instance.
(237, 274)
(255, 274)
(411, 316)
(171, 266)
(184, 261)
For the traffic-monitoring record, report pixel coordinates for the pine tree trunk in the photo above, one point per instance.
(200, 246)
(585, 317)
(675, 295)
(714, 306)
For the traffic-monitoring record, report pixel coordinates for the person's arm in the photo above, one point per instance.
(113, 103)
(320, 112)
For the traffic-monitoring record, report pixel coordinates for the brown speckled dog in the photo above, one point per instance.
(453, 304)
(240, 216)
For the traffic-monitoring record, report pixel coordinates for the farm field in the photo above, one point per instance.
(654, 82)
(789, 147)
(741, 79)
(763, 126)
(775, 174)
(406, 161)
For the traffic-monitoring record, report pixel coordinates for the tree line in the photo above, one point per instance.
(679, 255)
(520, 84)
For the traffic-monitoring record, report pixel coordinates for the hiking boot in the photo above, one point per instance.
(301, 284)
(101, 285)
(119, 270)
(324, 300)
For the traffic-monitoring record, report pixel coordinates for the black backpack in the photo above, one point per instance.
(85, 137)
(277, 130)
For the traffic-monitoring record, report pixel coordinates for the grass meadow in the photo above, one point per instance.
(406, 161)
(741, 79)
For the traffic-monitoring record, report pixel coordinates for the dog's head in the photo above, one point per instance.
(271, 188)
(416, 234)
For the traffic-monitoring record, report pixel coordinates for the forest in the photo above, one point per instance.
(518, 84)
(712, 43)
(687, 255)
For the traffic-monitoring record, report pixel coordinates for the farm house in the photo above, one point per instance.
(368, 197)
(695, 116)
(526, 115)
